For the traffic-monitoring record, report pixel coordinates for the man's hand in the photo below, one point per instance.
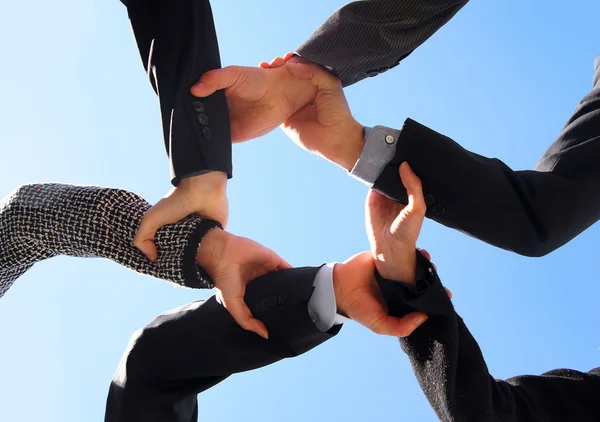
(325, 126)
(259, 99)
(232, 262)
(204, 195)
(358, 296)
(393, 229)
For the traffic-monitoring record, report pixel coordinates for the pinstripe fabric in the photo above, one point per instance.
(41, 221)
(368, 37)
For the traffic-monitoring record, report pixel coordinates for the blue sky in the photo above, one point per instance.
(501, 79)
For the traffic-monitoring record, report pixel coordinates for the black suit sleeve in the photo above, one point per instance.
(368, 37)
(188, 350)
(528, 212)
(178, 43)
(454, 376)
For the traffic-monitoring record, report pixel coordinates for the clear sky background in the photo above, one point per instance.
(501, 78)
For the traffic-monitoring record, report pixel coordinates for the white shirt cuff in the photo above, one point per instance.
(322, 305)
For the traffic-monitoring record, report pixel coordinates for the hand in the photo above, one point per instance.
(325, 126)
(358, 296)
(204, 195)
(393, 229)
(259, 99)
(232, 262)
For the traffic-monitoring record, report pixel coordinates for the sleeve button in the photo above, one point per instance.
(198, 107)
(202, 119)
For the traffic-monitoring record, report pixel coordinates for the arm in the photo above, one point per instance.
(528, 212)
(188, 350)
(178, 43)
(444, 355)
(365, 38)
(40, 221)
(454, 376)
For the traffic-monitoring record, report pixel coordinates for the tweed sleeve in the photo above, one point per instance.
(368, 37)
(40, 221)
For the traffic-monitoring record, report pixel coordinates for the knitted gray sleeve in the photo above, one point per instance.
(39, 221)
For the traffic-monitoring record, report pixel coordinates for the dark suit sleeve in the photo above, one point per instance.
(368, 37)
(40, 221)
(454, 376)
(178, 43)
(188, 350)
(528, 212)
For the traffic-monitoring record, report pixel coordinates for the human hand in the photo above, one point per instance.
(232, 262)
(393, 229)
(204, 195)
(358, 296)
(325, 126)
(259, 99)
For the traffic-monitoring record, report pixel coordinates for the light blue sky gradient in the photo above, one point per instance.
(501, 78)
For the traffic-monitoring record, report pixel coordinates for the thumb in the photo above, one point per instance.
(243, 316)
(319, 77)
(217, 79)
(166, 211)
(144, 237)
(407, 225)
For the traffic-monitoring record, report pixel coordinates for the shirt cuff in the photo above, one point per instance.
(322, 306)
(379, 150)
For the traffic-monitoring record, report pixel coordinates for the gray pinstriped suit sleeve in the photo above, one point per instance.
(368, 37)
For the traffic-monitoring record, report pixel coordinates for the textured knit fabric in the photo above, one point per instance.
(368, 37)
(454, 376)
(39, 221)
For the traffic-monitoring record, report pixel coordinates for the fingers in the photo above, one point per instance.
(407, 225)
(166, 211)
(414, 189)
(242, 315)
(144, 238)
(217, 79)
(399, 327)
(448, 292)
(425, 254)
(276, 62)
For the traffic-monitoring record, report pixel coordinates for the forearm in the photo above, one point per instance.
(365, 38)
(190, 349)
(177, 42)
(454, 376)
(40, 221)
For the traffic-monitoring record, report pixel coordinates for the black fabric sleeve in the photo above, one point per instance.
(529, 212)
(368, 37)
(454, 376)
(40, 221)
(188, 350)
(178, 43)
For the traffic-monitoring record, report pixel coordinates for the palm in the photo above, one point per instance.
(242, 261)
(312, 127)
(259, 99)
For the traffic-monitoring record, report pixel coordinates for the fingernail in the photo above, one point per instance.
(265, 336)
(420, 320)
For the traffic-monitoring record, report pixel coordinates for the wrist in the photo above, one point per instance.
(402, 270)
(213, 182)
(211, 248)
(347, 151)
